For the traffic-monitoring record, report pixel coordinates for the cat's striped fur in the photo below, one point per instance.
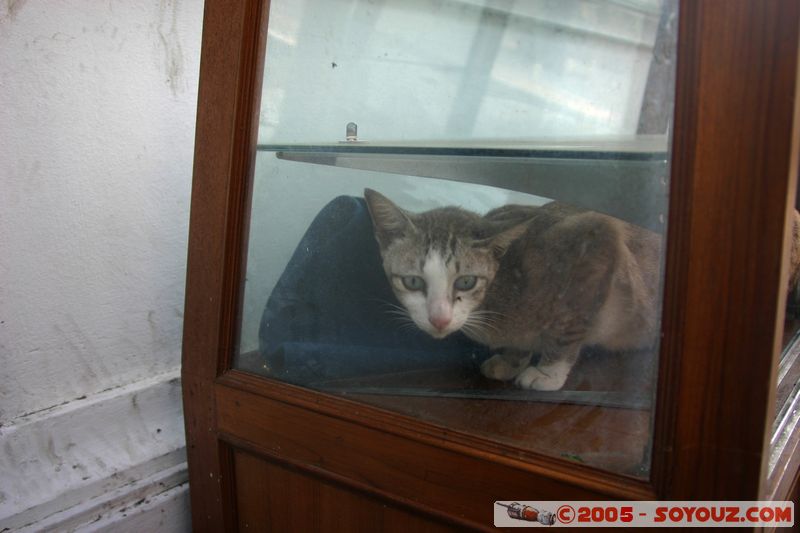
(523, 280)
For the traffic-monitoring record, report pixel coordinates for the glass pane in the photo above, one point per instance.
(787, 398)
(502, 275)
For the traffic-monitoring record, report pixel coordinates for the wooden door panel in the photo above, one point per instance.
(406, 466)
(272, 497)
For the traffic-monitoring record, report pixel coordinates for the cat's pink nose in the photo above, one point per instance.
(439, 322)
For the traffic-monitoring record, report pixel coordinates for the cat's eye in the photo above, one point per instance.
(413, 283)
(465, 283)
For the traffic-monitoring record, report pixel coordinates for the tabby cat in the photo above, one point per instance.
(523, 280)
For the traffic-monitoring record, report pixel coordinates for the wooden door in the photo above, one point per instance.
(270, 455)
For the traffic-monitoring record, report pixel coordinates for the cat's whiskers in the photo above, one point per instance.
(402, 320)
(400, 316)
(478, 330)
(397, 313)
(407, 326)
(479, 326)
(394, 309)
(479, 319)
(468, 330)
(485, 313)
(476, 333)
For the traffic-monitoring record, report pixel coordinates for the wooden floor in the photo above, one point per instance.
(615, 439)
(610, 438)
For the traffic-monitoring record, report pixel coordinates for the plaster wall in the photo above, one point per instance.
(97, 110)
(97, 114)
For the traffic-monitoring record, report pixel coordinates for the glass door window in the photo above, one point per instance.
(458, 213)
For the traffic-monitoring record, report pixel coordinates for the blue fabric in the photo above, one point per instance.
(328, 318)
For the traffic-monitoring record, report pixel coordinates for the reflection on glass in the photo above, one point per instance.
(454, 289)
(787, 398)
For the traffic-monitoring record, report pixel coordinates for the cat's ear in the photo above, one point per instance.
(390, 222)
(500, 242)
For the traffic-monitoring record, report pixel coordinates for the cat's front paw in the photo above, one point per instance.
(500, 367)
(549, 379)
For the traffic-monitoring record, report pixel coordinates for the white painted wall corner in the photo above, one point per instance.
(61, 470)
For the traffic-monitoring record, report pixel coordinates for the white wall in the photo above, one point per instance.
(97, 111)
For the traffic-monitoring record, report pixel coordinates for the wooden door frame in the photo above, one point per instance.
(733, 167)
(231, 64)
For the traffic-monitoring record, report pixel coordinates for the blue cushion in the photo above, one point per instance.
(328, 316)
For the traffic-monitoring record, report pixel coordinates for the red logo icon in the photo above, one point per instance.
(565, 514)
(525, 512)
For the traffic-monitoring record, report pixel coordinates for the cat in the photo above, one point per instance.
(522, 280)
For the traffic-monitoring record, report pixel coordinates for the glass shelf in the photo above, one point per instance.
(624, 178)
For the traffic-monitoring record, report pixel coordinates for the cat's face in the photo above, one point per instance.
(438, 263)
(439, 287)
